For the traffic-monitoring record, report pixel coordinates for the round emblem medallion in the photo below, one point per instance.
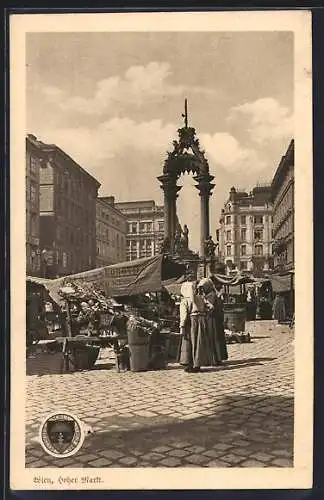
(61, 434)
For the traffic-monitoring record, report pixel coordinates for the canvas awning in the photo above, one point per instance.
(52, 286)
(174, 285)
(281, 283)
(125, 278)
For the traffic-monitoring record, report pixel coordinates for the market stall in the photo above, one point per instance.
(92, 318)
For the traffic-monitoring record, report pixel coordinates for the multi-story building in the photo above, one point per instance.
(283, 212)
(245, 233)
(111, 231)
(67, 210)
(33, 161)
(145, 231)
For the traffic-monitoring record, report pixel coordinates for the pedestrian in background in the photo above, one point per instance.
(279, 308)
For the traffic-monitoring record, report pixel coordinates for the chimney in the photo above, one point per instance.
(109, 199)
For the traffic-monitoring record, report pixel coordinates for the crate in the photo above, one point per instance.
(43, 363)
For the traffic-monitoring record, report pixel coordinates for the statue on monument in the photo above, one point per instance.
(210, 247)
(185, 237)
(165, 246)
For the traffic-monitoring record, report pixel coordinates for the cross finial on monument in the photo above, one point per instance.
(185, 114)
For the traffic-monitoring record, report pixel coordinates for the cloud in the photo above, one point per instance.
(92, 146)
(267, 119)
(224, 150)
(139, 84)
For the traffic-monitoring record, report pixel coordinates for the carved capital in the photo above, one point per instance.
(169, 185)
(204, 184)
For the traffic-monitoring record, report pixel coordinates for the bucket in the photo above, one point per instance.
(139, 356)
(138, 343)
(234, 317)
(136, 334)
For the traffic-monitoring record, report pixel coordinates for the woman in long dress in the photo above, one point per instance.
(215, 317)
(196, 345)
(279, 308)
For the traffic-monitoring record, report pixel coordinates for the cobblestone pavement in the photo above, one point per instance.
(236, 415)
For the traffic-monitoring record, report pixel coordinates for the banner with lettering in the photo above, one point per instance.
(134, 277)
(126, 278)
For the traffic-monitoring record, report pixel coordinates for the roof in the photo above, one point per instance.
(138, 204)
(53, 148)
(106, 204)
(286, 162)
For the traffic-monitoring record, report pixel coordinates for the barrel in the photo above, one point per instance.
(234, 317)
(138, 343)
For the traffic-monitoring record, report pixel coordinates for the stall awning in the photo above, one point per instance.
(174, 285)
(281, 283)
(52, 286)
(125, 278)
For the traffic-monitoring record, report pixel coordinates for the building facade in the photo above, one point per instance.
(34, 159)
(283, 212)
(245, 233)
(67, 209)
(111, 232)
(145, 228)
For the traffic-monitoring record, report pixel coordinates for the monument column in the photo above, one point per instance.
(205, 188)
(173, 213)
(170, 188)
(167, 216)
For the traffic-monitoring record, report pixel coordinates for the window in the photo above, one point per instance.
(243, 219)
(243, 249)
(228, 250)
(33, 193)
(33, 164)
(64, 259)
(228, 219)
(133, 227)
(33, 225)
(149, 227)
(243, 265)
(243, 234)
(258, 219)
(141, 227)
(161, 226)
(228, 235)
(272, 233)
(258, 250)
(258, 235)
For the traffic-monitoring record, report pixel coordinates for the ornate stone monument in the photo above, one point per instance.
(186, 157)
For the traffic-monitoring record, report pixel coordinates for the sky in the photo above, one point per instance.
(113, 101)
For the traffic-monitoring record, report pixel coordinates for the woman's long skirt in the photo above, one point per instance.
(216, 331)
(279, 309)
(197, 349)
